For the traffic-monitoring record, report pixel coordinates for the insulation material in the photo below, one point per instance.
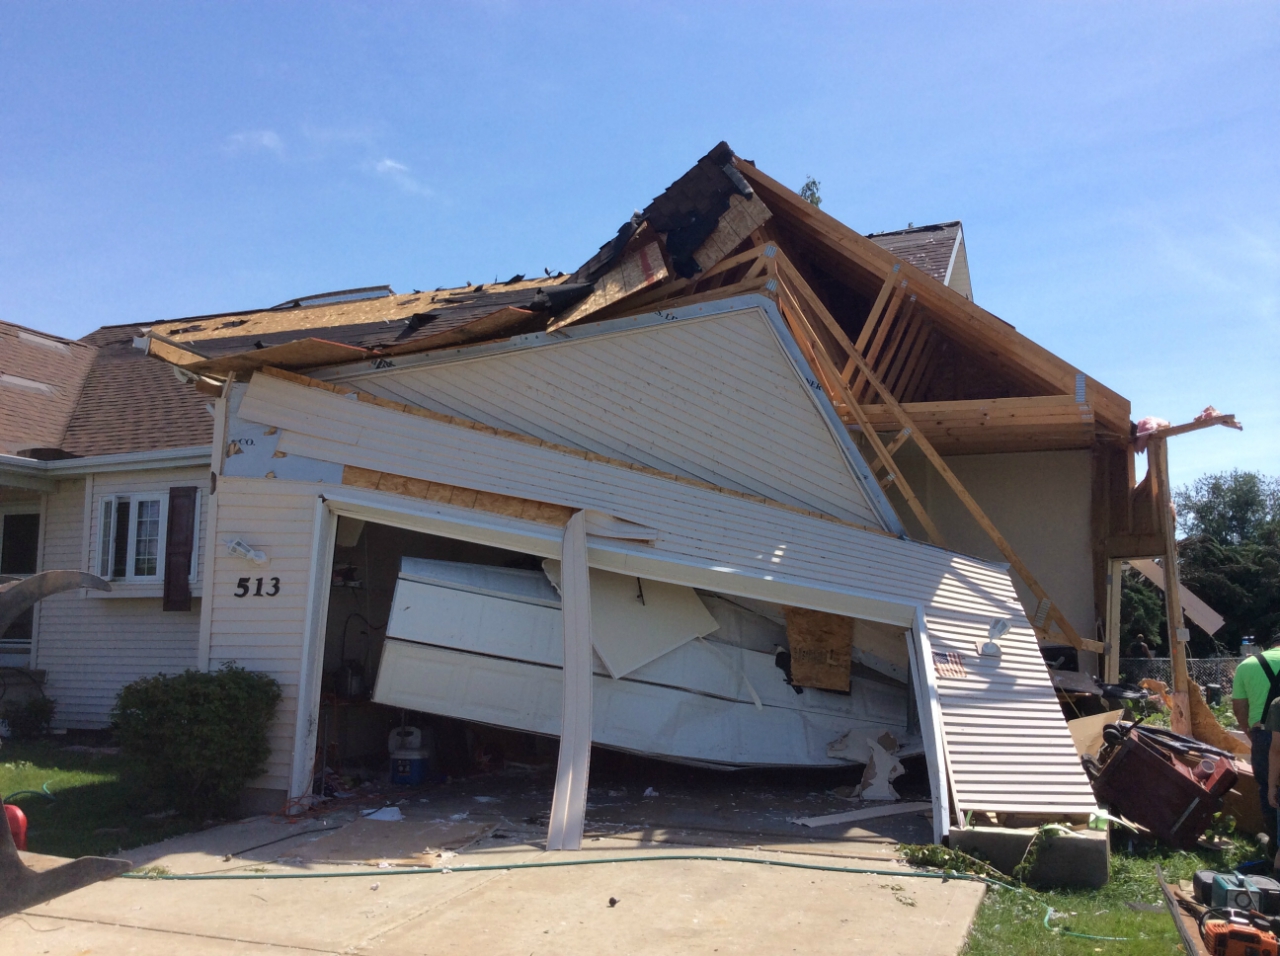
(821, 648)
(634, 622)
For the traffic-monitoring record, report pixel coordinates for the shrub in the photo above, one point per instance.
(29, 719)
(197, 738)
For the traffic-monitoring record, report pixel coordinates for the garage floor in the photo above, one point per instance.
(659, 906)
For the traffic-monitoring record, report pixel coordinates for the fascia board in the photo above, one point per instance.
(955, 251)
(609, 554)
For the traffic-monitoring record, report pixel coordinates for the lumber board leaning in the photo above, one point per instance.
(953, 310)
(891, 348)
(1180, 717)
(834, 385)
(859, 386)
(1053, 612)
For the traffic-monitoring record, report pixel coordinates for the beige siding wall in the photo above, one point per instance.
(265, 633)
(1041, 503)
(92, 646)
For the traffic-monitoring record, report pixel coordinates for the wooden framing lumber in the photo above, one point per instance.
(969, 322)
(891, 349)
(859, 386)
(915, 376)
(1180, 717)
(864, 336)
(1199, 423)
(1111, 658)
(1044, 422)
(913, 337)
(834, 385)
(1047, 611)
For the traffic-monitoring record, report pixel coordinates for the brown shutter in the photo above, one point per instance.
(179, 540)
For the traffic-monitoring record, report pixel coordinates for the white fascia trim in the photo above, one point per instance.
(610, 554)
(703, 310)
(128, 461)
(955, 251)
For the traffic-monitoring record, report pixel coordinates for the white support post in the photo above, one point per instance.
(569, 803)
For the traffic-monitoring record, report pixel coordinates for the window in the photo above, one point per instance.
(19, 556)
(133, 531)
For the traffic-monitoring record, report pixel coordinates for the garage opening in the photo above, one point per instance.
(442, 681)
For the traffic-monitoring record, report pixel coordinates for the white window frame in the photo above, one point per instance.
(26, 508)
(104, 555)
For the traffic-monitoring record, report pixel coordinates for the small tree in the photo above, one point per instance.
(810, 191)
(197, 738)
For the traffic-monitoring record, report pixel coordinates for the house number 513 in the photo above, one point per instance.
(242, 587)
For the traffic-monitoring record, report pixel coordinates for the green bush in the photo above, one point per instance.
(197, 738)
(29, 719)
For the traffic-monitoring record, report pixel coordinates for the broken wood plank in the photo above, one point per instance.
(866, 813)
(834, 386)
(639, 269)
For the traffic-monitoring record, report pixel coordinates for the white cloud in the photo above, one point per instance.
(399, 174)
(254, 141)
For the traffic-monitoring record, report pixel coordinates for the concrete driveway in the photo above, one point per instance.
(659, 905)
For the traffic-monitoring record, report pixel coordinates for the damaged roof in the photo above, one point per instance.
(300, 333)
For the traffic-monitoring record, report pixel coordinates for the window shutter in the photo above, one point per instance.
(179, 543)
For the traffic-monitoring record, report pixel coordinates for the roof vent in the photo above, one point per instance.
(333, 298)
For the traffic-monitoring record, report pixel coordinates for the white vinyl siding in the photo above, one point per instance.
(715, 399)
(93, 643)
(264, 633)
(712, 540)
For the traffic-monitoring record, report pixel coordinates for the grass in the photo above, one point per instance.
(93, 813)
(1010, 923)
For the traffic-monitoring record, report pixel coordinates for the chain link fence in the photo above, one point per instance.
(1202, 670)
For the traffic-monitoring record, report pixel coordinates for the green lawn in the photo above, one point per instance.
(92, 814)
(1011, 923)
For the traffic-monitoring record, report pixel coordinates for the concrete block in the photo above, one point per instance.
(1077, 860)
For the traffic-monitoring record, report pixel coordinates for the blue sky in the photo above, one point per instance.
(1116, 166)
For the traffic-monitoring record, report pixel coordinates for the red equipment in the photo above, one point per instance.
(1230, 938)
(17, 825)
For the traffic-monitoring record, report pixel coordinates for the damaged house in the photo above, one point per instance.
(747, 489)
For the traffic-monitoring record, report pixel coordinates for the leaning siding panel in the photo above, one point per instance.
(714, 399)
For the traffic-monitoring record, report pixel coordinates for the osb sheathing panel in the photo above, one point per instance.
(511, 507)
(821, 649)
